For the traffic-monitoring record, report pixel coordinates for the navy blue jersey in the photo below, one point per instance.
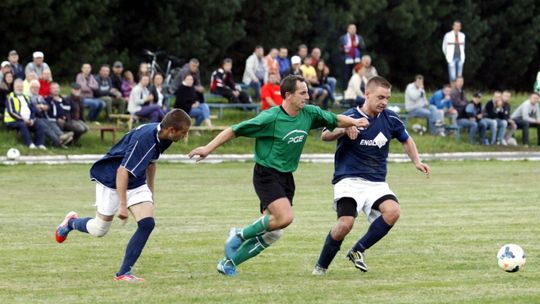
(365, 157)
(135, 152)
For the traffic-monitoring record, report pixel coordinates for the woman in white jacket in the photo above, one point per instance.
(453, 47)
(141, 102)
(354, 95)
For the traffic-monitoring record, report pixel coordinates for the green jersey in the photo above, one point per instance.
(280, 138)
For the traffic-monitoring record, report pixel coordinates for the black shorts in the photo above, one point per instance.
(271, 185)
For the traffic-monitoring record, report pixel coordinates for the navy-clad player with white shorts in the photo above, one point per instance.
(360, 174)
(125, 181)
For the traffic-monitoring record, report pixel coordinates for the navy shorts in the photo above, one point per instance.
(271, 185)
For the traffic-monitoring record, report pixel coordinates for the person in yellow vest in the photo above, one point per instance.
(20, 115)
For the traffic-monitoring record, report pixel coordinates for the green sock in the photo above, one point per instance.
(249, 249)
(258, 227)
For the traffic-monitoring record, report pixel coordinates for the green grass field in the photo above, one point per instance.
(441, 251)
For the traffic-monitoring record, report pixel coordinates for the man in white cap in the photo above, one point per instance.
(16, 68)
(6, 68)
(37, 65)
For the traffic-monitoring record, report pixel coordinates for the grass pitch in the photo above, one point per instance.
(441, 251)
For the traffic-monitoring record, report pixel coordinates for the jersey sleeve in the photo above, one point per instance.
(261, 125)
(138, 156)
(322, 118)
(399, 131)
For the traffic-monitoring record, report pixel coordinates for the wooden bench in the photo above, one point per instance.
(106, 129)
(245, 106)
(128, 118)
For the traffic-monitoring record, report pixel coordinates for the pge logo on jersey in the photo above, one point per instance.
(295, 136)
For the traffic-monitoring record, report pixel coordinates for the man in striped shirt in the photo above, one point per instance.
(125, 181)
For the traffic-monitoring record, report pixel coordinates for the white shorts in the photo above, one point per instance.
(364, 192)
(107, 199)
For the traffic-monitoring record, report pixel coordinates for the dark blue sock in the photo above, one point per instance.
(329, 251)
(377, 230)
(79, 224)
(136, 244)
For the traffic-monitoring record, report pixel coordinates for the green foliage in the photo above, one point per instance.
(403, 37)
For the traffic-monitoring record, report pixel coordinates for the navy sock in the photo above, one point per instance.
(329, 251)
(377, 230)
(136, 244)
(79, 224)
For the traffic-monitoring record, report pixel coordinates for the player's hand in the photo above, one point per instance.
(123, 213)
(424, 168)
(200, 153)
(361, 123)
(352, 132)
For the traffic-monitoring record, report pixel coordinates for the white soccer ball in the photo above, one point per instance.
(511, 258)
(13, 154)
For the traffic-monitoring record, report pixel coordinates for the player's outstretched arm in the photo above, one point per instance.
(344, 121)
(122, 177)
(202, 152)
(352, 132)
(410, 148)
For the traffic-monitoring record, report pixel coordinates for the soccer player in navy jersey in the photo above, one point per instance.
(125, 181)
(360, 173)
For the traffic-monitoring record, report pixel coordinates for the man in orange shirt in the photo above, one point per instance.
(270, 93)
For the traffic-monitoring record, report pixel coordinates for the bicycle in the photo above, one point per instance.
(173, 66)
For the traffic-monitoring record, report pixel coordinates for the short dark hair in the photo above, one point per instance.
(418, 77)
(288, 84)
(258, 46)
(105, 65)
(448, 85)
(227, 60)
(378, 81)
(194, 61)
(302, 46)
(177, 119)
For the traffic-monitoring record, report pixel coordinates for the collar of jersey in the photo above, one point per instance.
(364, 114)
(158, 128)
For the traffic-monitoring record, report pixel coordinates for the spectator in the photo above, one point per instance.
(317, 93)
(302, 51)
(116, 76)
(128, 82)
(284, 62)
(295, 66)
(6, 87)
(141, 102)
(369, 70)
(350, 45)
(270, 93)
(453, 47)
(474, 109)
(144, 70)
(16, 67)
(73, 110)
(496, 110)
(89, 85)
(20, 115)
(271, 61)
(315, 56)
(417, 105)
(26, 83)
(57, 116)
(45, 83)
(156, 89)
(326, 81)
(106, 92)
(457, 95)
(354, 95)
(5, 68)
(442, 101)
(50, 127)
(187, 100)
(222, 83)
(256, 73)
(511, 128)
(467, 119)
(37, 65)
(192, 68)
(528, 115)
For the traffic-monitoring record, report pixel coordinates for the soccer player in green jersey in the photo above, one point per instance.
(280, 134)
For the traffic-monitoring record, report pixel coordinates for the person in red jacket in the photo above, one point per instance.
(270, 93)
(45, 83)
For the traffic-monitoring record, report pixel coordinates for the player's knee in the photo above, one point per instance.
(391, 215)
(343, 227)
(272, 236)
(283, 220)
(147, 224)
(98, 227)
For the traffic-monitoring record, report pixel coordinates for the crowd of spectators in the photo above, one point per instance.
(31, 103)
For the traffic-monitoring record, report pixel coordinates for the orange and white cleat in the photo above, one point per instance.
(129, 277)
(63, 230)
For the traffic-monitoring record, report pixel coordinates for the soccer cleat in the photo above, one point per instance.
(319, 271)
(232, 243)
(129, 277)
(226, 267)
(357, 258)
(62, 230)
